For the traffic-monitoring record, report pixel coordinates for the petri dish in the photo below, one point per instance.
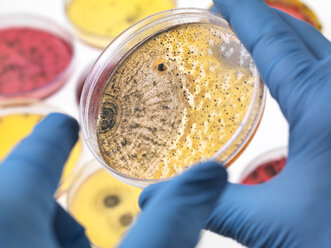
(17, 119)
(184, 90)
(296, 9)
(98, 22)
(264, 167)
(81, 81)
(36, 56)
(105, 206)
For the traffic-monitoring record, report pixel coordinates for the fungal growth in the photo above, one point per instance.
(181, 95)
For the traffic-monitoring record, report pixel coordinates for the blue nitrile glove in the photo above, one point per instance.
(29, 215)
(178, 211)
(293, 209)
(294, 59)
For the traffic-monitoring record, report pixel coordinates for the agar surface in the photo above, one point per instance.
(111, 17)
(15, 127)
(265, 171)
(105, 207)
(30, 59)
(174, 101)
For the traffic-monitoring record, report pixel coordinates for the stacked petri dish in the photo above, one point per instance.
(296, 9)
(17, 119)
(175, 89)
(98, 22)
(105, 206)
(264, 167)
(36, 56)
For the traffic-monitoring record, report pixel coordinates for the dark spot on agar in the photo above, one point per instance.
(161, 67)
(111, 201)
(124, 142)
(109, 115)
(130, 19)
(136, 125)
(126, 219)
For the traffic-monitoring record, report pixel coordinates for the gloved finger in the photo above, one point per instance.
(234, 212)
(175, 215)
(273, 45)
(41, 156)
(315, 41)
(68, 232)
(149, 193)
(247, 213)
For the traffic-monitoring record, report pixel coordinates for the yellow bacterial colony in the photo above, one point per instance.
(15, 127)
(105, 207)
(108, 18)
(174, 101)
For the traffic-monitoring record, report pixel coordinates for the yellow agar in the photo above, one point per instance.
(175, 101)
(15, 127)
(105, 207)
(108, 18)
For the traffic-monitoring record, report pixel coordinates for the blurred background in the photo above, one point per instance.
(272, 133)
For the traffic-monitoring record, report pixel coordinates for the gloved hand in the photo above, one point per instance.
(179, 210)
(294, 59)
(29, 215)
(293, 209)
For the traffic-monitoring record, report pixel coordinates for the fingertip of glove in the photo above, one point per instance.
(61, 120)
(58, 127)
(213, 8)
(147, 193)
(210, 170)
(201, 178)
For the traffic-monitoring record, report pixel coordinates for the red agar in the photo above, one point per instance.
(30, 59)
(292, 10)
(264, 172)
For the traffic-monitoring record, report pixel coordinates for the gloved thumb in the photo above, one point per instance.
(176, 211)
(37, 161)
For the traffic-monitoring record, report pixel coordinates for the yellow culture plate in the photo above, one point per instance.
(105, 206)
(97, 22)
(18, 118)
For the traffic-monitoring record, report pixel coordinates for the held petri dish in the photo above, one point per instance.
(97, 22)
(81, 81)
(36, 56)
(105, 206)
(184, 90)
(296, 9)
(17, 120)
(264, 167)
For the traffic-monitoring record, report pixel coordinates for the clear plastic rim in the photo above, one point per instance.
(81, 81)
(77, 178)
(117, 44)
(89, 33)
(73, 182)
(45, 24)
(262, 158)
